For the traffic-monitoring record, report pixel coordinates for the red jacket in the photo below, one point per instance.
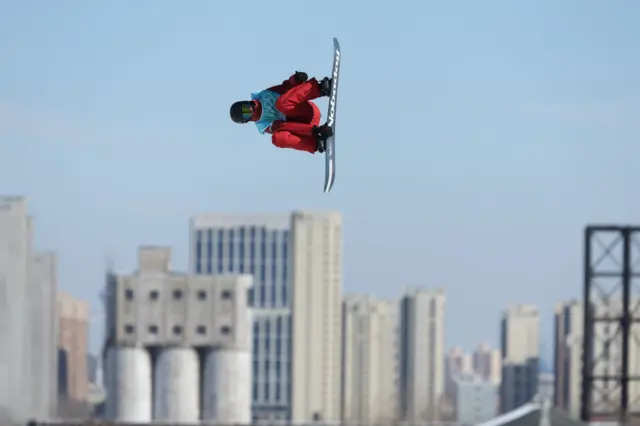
(289, 134)
(280, 89)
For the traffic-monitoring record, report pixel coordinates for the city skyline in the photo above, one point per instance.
(280, 221)
(308, 246)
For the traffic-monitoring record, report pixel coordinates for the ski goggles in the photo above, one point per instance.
(247, 110)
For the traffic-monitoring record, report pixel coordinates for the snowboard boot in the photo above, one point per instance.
(325, 86)
(322, 133)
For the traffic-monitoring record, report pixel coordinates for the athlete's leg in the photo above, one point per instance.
(300, 136)
(305, 92)
(305, 112)
(292, 135)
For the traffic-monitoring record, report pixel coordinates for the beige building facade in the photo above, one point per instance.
(422, 377)
(316, 308)
(369, 347)
(487, 363)
(73, 336)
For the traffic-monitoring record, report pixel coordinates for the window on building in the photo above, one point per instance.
(129, 329)
(154, 294)
(227, 294)
(153, 329)
(177, 329)
(177, 294)
(225, 330)
(202, 295)
(128, 294)
(201, 329)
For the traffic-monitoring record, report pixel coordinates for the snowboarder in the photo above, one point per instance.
(286, 112)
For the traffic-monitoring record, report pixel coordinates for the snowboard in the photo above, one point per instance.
(330, 143)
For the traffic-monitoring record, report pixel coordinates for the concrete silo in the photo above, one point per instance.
(128, 383)
(227, 366)
(227, 386)
(177, 386)
(176, 315)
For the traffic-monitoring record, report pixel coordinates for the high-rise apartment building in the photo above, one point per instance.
(316, 291)
(259, 245)
(457, 362)
(369, 348)
(73, 336)
(43, 334)
(475, 399)
(15, 256)
(487, 363)
(422, 316)
(568, 330)
(28, 284)
(520, 330)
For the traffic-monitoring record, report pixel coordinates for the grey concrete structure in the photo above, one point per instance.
(43, 320)
(173, 327)
(14, 264)
(128, 383)
(28, 283)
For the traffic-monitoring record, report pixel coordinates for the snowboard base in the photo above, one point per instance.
(330, 144)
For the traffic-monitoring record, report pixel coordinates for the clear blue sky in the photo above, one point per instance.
(476, 138)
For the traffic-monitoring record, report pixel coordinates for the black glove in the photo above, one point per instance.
(301, 77)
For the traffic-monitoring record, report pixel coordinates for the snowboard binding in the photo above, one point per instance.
(325, 86)
(322, 133)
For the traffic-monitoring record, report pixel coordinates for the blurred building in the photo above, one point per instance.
(487, 363)
(15, 248)
(568, 328)
(316, 287)
(178, 346)
(569, 334)
(421, 382)
(520, 330)
(457, 362)
(369, 353)
(92, 368)
(43, 320)
(546, 381)
(475, 399)
(27, 318)
(73, 338)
